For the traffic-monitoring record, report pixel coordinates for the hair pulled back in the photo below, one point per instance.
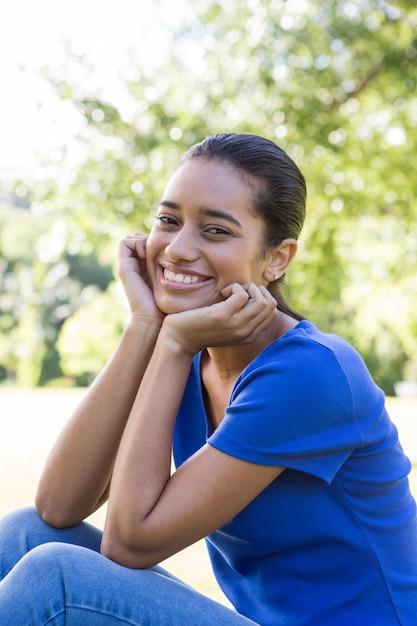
(280, 189)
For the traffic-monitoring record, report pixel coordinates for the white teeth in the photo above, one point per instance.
(180, 278)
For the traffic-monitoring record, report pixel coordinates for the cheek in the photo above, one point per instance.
(150, 256)
(155, 243)
(149, 242)
(152, 245)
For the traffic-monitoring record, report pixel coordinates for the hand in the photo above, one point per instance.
(246, 311)
(134, 277)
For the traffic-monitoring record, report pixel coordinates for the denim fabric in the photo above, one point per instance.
(57, 577)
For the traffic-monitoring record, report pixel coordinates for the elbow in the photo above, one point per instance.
(126, 556)
(129, 551)
(48, 513)
(53, 515)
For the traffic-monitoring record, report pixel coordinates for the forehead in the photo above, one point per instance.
(209, 182)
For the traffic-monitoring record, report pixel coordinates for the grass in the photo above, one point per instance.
(30, 420)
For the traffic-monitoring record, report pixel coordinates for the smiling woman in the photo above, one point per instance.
(286, 459)
(206, 237)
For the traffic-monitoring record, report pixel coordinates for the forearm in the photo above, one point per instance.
(80, 465)
(143, 464)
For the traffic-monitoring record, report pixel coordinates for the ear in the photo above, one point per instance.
(279, 259)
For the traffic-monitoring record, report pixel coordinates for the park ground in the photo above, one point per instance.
(31, 419)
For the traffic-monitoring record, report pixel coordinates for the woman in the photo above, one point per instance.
(286, 459)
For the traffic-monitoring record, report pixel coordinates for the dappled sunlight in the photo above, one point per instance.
(99, 130)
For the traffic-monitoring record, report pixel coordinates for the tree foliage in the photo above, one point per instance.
(334, 84)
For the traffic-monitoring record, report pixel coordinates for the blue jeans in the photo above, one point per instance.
(58, 577)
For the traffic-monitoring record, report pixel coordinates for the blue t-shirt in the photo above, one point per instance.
(333, 540)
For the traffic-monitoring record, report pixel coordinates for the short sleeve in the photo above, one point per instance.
(294, 407)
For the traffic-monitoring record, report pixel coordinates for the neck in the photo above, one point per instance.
(229, 361)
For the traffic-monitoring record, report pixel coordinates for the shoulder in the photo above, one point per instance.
(312, 374)
(306, 355)
(306, 338)
(303, 403)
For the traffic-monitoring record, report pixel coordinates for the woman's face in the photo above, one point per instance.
(204, 237)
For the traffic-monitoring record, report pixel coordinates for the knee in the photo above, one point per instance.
(16, 516)
(33, 589)
(17, 521)
(60, 566)
(51, 563)
(16, 537)
(48, 555)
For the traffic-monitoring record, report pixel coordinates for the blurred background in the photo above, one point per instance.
(100, 99)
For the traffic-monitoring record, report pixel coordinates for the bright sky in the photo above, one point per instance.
(32, 33)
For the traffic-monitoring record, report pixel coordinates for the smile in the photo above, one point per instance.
(186, 279)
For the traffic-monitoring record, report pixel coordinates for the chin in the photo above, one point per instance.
(169, 305)
(179, 305)
(168, 309)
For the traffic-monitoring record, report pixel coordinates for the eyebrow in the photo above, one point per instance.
(204, 211)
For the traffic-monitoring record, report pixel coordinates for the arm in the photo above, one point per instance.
(75, 479)
(152, 514)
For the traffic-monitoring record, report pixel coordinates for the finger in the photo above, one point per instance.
(134, 243)
(253, 291)
(127, 248)
(232, 288)
(261, 305)
(236, 297)
(141, 246)
(259, 292)
(133, 239)
(268, 295)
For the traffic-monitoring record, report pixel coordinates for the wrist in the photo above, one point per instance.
(147, 328)
(173, 342)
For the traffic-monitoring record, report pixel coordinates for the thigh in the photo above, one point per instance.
(61, 584)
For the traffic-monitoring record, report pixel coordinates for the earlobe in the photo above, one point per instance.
(280, 259)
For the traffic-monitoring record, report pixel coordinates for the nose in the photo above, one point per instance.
(182, 246)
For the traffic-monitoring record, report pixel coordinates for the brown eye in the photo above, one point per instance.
(166, 220)
(218, 230)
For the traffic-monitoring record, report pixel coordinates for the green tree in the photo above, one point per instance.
(89, 336)
(333, 83)
(40, 286)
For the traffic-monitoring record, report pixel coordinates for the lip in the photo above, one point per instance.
(181, 278)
